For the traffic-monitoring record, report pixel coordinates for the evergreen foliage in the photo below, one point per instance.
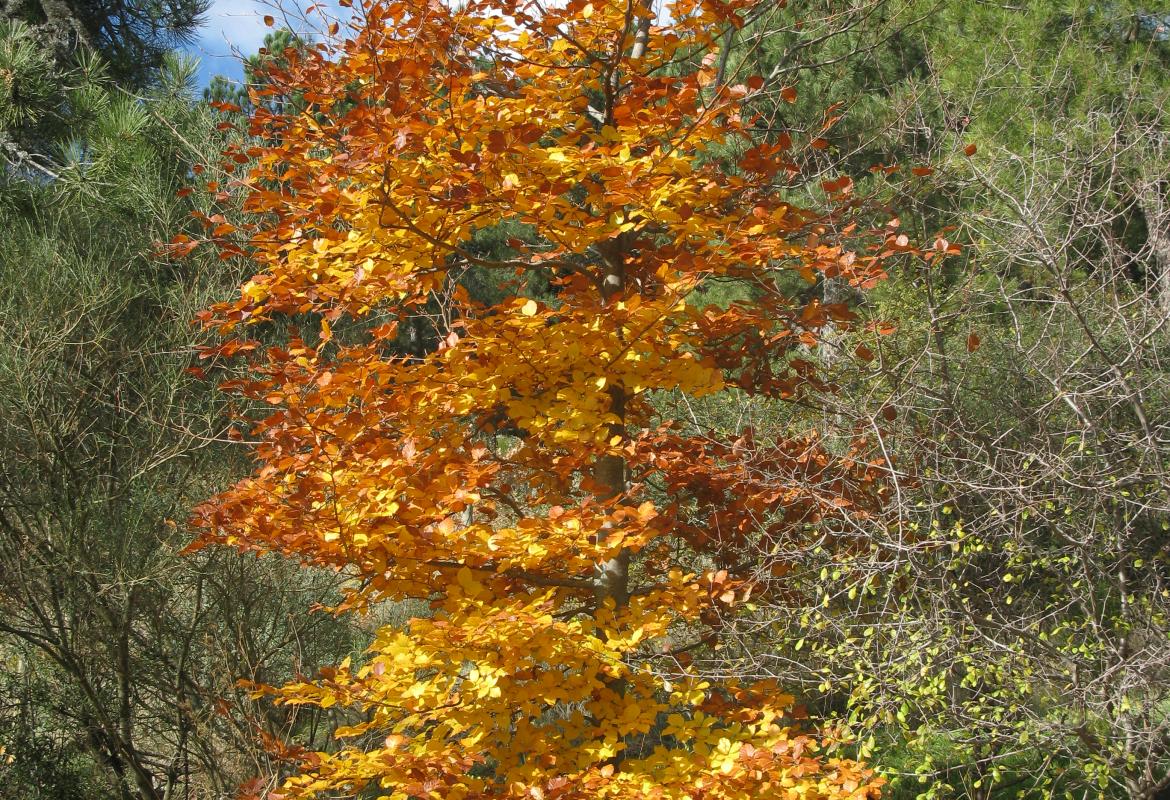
(121, 655)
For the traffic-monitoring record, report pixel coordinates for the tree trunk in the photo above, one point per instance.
(611, 578)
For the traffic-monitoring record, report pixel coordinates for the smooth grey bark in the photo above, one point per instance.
(612, 577)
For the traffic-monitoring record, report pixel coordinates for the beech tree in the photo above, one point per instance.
(569, 549)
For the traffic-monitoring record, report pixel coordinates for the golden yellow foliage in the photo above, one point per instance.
(632, 177)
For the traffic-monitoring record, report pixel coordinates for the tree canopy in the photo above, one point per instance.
(570, 543)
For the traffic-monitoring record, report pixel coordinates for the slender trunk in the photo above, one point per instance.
(611, 578)
(642, 30)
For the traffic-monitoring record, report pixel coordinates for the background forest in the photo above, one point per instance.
(1001, 628)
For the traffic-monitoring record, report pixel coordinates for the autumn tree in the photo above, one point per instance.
(567, 548)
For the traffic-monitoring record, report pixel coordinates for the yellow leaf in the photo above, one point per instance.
(467, 582)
